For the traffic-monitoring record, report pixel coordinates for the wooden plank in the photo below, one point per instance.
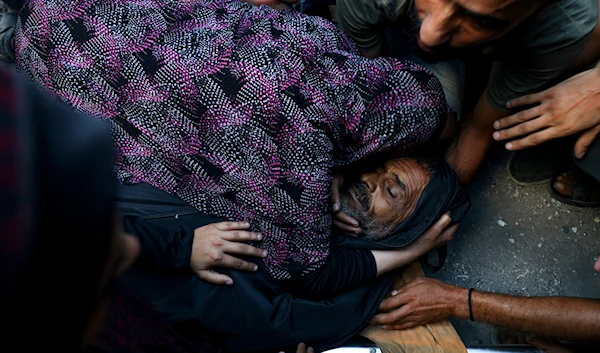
(439, 337)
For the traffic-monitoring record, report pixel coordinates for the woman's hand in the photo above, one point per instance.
(345, 223)
(435, 236)
(569, 107)
(213, 245)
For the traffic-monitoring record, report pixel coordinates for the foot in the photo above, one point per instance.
(564, 186)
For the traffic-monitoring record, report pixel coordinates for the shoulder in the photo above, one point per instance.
(555, 27)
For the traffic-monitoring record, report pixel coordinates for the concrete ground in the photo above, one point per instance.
(518, 240)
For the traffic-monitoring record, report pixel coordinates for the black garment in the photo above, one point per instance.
(132, 325)
(14, 4)
(257, 313)
(165, 227)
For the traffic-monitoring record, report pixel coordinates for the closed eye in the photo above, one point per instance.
(390, 192)
(400, 183)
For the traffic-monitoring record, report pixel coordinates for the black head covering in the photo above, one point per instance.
(444, 193)
(58, 222)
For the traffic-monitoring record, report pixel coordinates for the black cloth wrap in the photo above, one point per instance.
(444, 193)
(66, 223)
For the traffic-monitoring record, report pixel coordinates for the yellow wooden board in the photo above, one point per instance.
(439, 337)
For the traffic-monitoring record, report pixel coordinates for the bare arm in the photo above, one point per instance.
(426, 300)
(435, 236)
(470, 147)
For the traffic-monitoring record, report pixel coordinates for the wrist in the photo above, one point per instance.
(460, 302)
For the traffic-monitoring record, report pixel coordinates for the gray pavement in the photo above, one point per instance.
(518, 240)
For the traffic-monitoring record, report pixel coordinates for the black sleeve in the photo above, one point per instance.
(166, 244)
(344, 269)
(14, 4)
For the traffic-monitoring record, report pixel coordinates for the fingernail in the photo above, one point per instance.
(496, 124)
(509, 146)
(264, 253)
(580, 155)
(496, 135)
(394, 292)
(259, 237)
(255, 267)
(229, 282)
(445, 218)
(508, 104)
(336, 207)
(246, 223)
(559, 186)
(382, 327)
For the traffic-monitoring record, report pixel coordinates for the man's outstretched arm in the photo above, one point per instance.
(426, 300)
(469, 149)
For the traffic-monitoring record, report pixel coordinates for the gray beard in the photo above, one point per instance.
(372, 228)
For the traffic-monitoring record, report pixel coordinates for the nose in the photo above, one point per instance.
(437, 27)
(371, 180)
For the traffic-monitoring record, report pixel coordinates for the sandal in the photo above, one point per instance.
(537, 165)
(585, 190)
(8, 20)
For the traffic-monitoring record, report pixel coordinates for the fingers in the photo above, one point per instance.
(336, 184)
(585, 140)
(597, 264)
(235, 263)
(396, 317)
(240, 235)
(526, 100)
(342, 217)
(243, 249)
(518, 118)
(214, 277)
(393, 302)
(448, 234)
(522, 128)
(440, 225)
(346, 228)
(533, 139)
(232, 225)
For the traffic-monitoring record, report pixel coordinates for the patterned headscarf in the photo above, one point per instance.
(56, 217)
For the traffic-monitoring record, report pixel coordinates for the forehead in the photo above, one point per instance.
(402, 165)
(505, 9)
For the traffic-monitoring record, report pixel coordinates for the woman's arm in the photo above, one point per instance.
(437, 235)
(348, 268)
(196, 243)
